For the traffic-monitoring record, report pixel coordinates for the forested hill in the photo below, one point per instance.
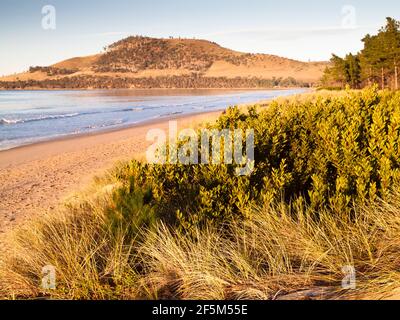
(145, 62)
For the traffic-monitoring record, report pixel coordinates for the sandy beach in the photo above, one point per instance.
(37, 178)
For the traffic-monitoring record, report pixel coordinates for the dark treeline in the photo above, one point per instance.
(52, 71)
(194, 81)
(376, 63)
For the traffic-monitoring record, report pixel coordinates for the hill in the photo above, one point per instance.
(148, 62)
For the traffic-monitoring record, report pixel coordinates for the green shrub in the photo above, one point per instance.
(325, 152)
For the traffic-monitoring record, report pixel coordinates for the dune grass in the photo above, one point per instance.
(278, 252)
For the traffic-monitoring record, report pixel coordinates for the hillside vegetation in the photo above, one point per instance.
(323, 196)
(135, 54)
(140, 62)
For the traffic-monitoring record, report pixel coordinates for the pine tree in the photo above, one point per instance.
(378, 61)
(344, 72)
(335, 75)
(352, 70)
(391, 40)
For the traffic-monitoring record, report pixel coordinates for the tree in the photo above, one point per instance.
(391, 41)
(378, 61)
(343, 72)
(370, 58)
(352, 70)
(335, 74)
(381, 53)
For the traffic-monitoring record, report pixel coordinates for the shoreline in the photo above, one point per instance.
(38, 178)
(132, 125)
(34, 151)
(106, 130)
(172, 89)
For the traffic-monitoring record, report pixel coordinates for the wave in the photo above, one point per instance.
(8, 121)
(132, 109)
(104, 125)
(169, 114)
(49, 117)
(11, 121)
(137, 109)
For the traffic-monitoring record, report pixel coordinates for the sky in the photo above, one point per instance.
(308, 30)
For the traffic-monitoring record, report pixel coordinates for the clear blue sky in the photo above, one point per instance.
(304, 30)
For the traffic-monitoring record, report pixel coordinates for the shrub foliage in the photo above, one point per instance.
(324, 152)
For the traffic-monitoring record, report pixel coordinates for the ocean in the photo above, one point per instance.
(27, 117)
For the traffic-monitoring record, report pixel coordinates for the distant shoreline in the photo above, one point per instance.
(126, 127)
(138, 89)
(148, 121)
(7, 154)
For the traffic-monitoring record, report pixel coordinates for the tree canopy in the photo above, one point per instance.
(377, 62)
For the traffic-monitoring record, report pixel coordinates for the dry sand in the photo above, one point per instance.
(37, 178)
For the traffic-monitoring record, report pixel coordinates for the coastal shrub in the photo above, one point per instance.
(323, 152)
(129, 210)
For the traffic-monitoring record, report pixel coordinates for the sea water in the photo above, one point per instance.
(32, 116)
